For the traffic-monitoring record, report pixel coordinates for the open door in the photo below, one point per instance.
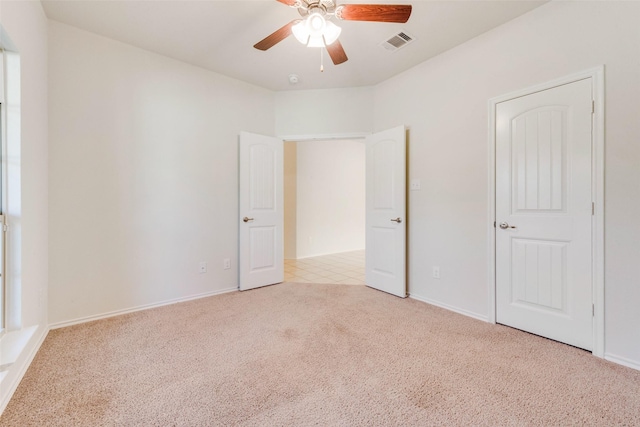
(386, 212)
(261, 253)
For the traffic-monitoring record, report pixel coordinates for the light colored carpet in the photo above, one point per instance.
(309, 354)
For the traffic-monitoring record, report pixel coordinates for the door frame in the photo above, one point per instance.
(597, 76)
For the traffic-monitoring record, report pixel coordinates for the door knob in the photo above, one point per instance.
(504, 225)
(247, 219)
(398, 220)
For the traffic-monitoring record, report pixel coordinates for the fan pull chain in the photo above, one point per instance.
(321, 60)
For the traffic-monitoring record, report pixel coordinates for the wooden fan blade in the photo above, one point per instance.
(275, 37)
(374, 12)
(336, 52)
(288, 2)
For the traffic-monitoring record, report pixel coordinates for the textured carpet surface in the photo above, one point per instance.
(309, 354)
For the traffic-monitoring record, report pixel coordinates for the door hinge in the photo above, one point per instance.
(5, 227)
(593, 208)
(494, 224)
(593, 106)
(593, 310)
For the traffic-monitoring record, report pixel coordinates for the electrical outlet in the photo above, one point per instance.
(202, 267)
(226, 263)
(415, 184)
(436, 272)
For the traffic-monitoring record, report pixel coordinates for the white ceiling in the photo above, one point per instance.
(219, 35)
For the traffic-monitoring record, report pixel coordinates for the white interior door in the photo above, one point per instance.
(261, 254)
(544, 213)
(386, 211)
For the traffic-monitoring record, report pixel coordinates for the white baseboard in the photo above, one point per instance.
(79, 320)
(450, 308)
(21, 369)
(634, 364)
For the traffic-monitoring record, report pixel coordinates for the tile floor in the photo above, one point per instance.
(346, 268)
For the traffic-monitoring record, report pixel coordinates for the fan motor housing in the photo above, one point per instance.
(320, 6)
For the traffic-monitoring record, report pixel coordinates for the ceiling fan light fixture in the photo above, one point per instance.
(315, 41)
(331, 33)
(316, 24)
(316, 31)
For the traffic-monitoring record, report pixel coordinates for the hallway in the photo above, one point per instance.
(346, 268)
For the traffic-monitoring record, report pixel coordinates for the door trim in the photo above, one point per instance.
(597, 176)
(324, 137)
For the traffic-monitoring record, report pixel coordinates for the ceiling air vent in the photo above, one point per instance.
(397, 41)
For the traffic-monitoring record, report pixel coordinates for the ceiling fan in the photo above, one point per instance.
(315, 29)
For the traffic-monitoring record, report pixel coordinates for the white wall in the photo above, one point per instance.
(444, 102)
(143, 175)
(26, 24)
(330, 197)
(342, 112)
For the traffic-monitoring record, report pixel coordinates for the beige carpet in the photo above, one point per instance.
(308, 354)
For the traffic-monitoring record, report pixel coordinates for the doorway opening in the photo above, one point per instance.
(261, 206)
(324, 211)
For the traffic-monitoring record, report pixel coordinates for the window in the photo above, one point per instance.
(2, 233)
(2, 193)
